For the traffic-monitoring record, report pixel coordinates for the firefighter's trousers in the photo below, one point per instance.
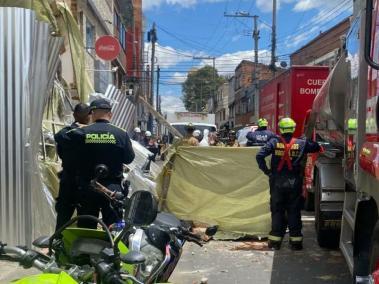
(286, 203)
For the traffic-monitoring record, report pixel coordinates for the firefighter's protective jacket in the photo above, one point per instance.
(276, 148)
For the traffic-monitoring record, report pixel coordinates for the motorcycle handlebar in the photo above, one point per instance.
(31, 259)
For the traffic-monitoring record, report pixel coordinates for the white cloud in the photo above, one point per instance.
(266, 5)
(178, 77)
(327, 9)
(167, 56)
(149, 4)
(171, 103)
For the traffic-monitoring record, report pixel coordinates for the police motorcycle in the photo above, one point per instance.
(79, 255)
(161, 243)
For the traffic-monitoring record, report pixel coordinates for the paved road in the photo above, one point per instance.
(225, 262)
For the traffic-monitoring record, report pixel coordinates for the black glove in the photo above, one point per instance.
(268, 173)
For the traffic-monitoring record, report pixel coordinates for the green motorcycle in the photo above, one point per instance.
(78, 255)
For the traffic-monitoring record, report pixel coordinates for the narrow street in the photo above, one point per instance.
(251, 262)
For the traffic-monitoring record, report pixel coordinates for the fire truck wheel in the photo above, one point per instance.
(309, 203)
(326, 237)
(374, 256)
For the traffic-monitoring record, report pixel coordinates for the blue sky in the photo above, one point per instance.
(188, 28)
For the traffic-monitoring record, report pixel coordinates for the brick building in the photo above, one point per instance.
(245, 95)
(323, 49)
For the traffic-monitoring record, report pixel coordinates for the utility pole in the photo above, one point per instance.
(152, 37)
(273, 43)
(255, 37)
(214, 72)
(158, 106)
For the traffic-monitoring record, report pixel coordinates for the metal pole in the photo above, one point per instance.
(273, 44)
(256, 38)
(153, 39)
(214, 82)
(157, 93)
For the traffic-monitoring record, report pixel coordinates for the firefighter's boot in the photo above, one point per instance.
(274, 245)
(296, 243)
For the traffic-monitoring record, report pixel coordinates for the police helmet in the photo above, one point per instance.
(137, 130)
(148, 134)
(287, 125)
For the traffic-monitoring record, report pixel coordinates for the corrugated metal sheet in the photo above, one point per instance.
(124, 111)
(29, 58)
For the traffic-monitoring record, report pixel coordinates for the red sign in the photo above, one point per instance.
(107, 47)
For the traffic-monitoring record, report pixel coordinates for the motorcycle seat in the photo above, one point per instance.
(167, 219)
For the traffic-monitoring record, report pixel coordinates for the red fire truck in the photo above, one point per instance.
(345, 118)
(291, 94)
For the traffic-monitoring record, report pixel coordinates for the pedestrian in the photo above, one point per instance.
(189, 139)
(197, 135)
(136, 134)
(214, 140)
(66, 202)
(285, 177)
(232, 139)
(146, 138)
(152, 146)
(260, 136)
(100, 143)
(205, 141)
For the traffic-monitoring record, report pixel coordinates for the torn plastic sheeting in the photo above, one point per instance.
(222, 186)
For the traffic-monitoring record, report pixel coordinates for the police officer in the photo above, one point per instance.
(260, 136)
(65, 205)
(285, 182)
(100, 143)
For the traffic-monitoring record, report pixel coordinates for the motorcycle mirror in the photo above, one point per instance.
(141, 209)
(101, 171)
(42, 242)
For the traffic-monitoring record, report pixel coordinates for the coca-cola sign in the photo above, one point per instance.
(107, 47)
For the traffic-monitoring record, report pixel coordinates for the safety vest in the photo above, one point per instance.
(286, 158)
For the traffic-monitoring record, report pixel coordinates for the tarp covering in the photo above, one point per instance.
(222, 186)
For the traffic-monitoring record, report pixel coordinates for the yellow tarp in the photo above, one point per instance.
(222, 186)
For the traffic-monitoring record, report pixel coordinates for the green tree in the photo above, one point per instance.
(199, 87)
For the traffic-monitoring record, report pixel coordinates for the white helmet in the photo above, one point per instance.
(197, 133)
(148, 133)
(137, 130)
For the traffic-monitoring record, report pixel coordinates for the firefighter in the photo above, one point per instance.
(260, 136)
(189, 139)
(100, 143)
(65, 203)
(285, 177)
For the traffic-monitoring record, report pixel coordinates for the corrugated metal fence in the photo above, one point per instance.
(28, 62)
(124, 111)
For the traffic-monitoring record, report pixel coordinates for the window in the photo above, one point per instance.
(90, 35)
(120, 30)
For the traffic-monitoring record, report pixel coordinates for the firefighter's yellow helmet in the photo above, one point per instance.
(262, 122)
(287, 125)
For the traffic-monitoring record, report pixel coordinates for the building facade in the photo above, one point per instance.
(246, 93)
(323, 49)
(221, 105)
(96, 18)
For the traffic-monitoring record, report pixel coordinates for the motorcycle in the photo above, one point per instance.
(162, 244)
(78, 255)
